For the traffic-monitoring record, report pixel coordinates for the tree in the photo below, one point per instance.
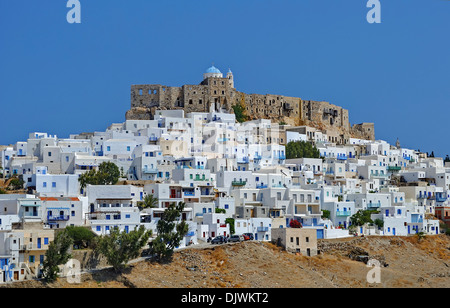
(299, 149)
(121, 247)
(379, 223)
(81, 236)
(326, 214)
(16, 184)
(58, 253)
(170, 233)
(107, 174)
(239, 111)
(361, 217)
(150, 201)
(230, 221)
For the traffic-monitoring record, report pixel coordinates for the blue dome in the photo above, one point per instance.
(213, 70)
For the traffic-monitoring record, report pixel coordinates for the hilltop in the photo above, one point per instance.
(410, 262)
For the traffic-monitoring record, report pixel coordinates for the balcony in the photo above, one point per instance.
(58, 218)
(280, 156)
(394, 168)
(440, 199)
(261, 186)
(373, 205)
(189, 193)
(343, 213)
(262, 229)
(238, 183)
(378, 174)
(243, 160)
(150, 170)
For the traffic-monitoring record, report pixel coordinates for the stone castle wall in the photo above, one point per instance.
(216, 94)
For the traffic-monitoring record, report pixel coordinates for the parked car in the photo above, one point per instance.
(219, 240)
(236, 238)
(248, 236)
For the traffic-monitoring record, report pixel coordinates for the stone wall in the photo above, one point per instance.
(216, 94)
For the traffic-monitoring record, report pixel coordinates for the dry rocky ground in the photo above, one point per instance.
(408, 263)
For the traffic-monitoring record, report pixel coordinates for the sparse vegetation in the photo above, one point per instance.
(239, 111)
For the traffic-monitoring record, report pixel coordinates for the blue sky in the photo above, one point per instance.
(66, 78)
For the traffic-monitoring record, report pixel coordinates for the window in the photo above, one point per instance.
(53, 184)
(45, 240)
(31, 259)
(98, 228)
(72, 213)
(128, 148)
(307, 239)
(44, 184)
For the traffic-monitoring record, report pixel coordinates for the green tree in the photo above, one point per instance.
(170, 232)
(326, 214)
(121, 247)
(16, 184)
(300, 149)
(361, 217)
(230, 221)
(239, 111)
(379, 223)
(58, 253)
(149, 201)
(81, 236)
(107, 174)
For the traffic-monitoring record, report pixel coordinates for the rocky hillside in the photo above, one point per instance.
(406, 262)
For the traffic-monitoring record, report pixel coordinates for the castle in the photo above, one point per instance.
(217, 93)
